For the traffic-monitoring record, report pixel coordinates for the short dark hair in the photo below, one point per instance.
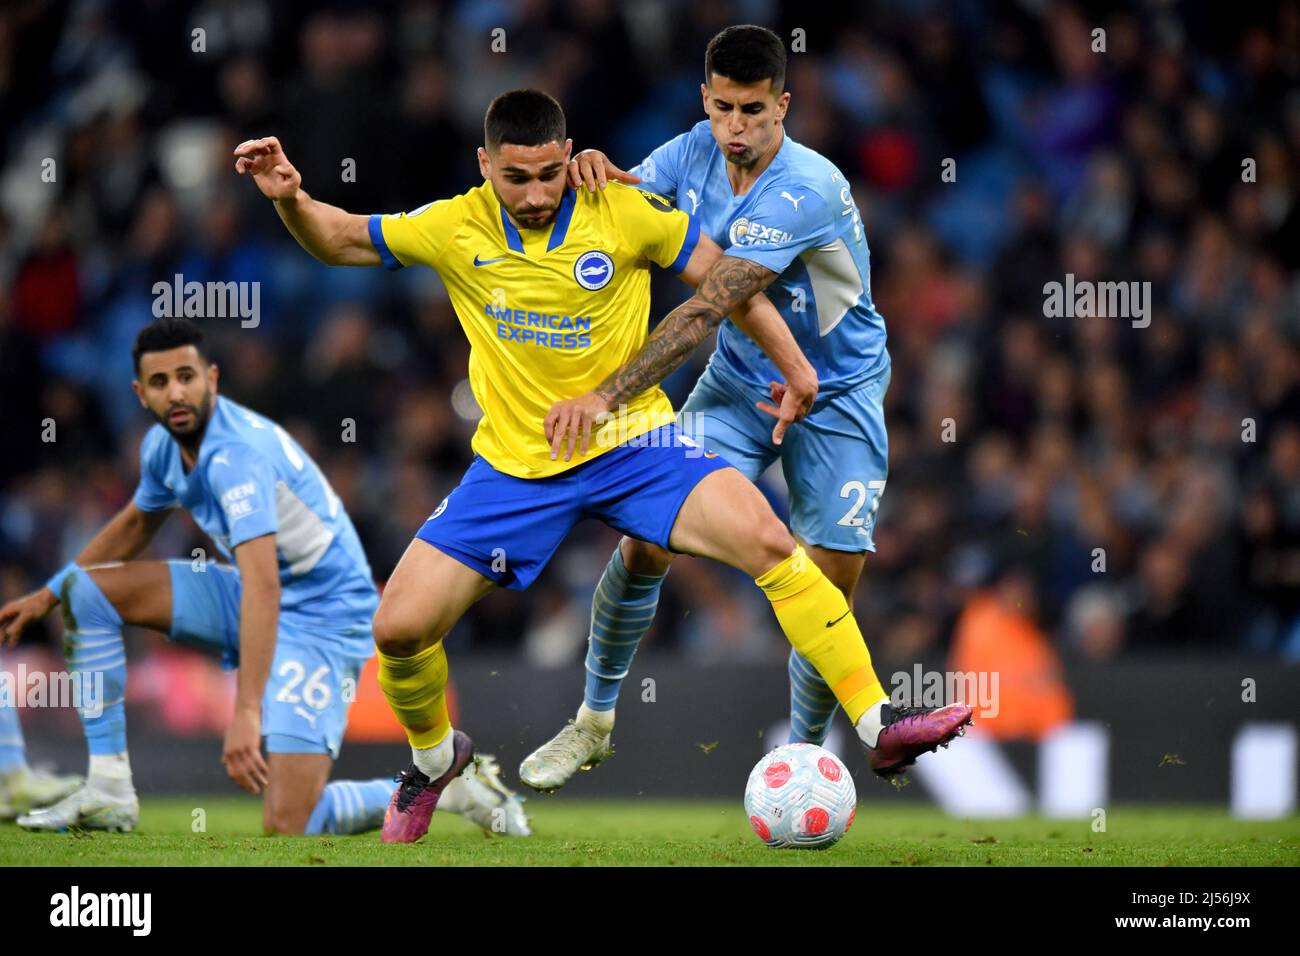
(168, 333)
(746, 54)
(524, 118)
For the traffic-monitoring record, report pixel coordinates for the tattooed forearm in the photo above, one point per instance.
(730, 282)
(675, 338)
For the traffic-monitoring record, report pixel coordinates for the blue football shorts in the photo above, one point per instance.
(507, 528)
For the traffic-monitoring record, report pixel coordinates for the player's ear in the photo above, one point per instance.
(568, 150)
(704, 97)
(782, 105)
(139, 392)
(213, 375)
(484, 166)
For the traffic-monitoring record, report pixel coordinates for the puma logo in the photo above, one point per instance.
(794, 202)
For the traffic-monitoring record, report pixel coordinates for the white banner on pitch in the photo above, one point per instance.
(1074, 771)
(1264, 771)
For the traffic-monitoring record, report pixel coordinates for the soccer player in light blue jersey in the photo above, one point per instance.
(788, 226)
(292, 612)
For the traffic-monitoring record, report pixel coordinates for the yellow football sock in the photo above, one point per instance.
(817, 621)
(414, 687)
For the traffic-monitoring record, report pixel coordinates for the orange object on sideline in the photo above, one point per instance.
(995, 637)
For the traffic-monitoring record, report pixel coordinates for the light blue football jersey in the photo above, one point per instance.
(253, 479)
(800, 221)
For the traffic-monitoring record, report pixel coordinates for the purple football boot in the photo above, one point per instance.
(413, 803)
(908, 732)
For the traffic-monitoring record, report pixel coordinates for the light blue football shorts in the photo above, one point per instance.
(835, 461)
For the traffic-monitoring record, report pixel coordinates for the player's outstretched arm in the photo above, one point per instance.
(730, 282)
(759, 319)
(259, 618)
(122, 538)
(333, 236)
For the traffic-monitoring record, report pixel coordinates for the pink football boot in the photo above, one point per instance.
(413, 803)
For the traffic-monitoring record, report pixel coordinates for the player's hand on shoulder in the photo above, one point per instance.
(593, 169)
(575, 418)
(265, 161)
(22, 611)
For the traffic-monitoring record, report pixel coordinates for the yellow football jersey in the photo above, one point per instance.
(550, 313)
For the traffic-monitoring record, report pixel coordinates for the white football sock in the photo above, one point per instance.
(111, 774)
(434, 761)
(599, 722)
(869, 724)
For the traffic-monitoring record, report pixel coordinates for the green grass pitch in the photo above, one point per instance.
(642, 832)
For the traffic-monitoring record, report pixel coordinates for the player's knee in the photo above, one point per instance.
(138, 591)
(396, 635)
(772, 544)
(844, 575)
(79, 606)
(642, 557)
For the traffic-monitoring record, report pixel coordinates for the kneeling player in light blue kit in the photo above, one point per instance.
(293, 614)
(787, 213)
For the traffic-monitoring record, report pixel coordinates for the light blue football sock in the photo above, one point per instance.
(621, 611)
(351, 806)
(13, 753)
(93, 647)
(812, 705)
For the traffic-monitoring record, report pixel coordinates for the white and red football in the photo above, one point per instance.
(800, 796)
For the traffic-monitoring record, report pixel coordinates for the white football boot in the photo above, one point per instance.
(574, 748)
(87, 808)
(26, 789)
(479, 796)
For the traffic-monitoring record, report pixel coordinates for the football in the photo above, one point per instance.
(800, 796)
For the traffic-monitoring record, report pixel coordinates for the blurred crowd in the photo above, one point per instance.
(1137, 489)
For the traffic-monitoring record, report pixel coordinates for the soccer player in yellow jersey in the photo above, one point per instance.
(551, 286)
